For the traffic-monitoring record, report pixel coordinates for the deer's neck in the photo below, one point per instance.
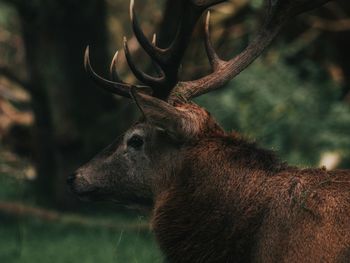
(215, 207)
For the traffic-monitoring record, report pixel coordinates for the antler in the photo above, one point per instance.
(278, 13)
(117, 86)
(166, 85)
(167, 61)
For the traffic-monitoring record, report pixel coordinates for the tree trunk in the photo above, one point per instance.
(71, 114)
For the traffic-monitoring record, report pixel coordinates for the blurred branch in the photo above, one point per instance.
(328, 24)
(7, 73)
(10, 116)
(21, 210)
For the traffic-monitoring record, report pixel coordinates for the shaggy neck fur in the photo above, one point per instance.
(229, 201)
(233, 202)
(219, 192)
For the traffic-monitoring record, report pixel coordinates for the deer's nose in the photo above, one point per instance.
(71, 178)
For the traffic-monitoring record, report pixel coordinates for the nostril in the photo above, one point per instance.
(71, 179)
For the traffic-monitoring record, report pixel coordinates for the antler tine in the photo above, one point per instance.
(119, 88)
(168, 60)
(154, 82)
(154, 40)
(159, 71)
(278, 13)
(113, 69)
(214, 59)
(192, 11)
(153, 51)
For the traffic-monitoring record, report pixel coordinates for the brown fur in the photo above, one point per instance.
(234, 202)
(217, 197)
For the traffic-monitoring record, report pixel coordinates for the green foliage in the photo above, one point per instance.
(8, 16)
(256, 3)
(301, 117)
(32, 241)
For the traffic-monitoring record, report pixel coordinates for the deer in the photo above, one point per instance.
(214, 196)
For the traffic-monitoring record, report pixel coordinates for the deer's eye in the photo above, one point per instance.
(135, 141)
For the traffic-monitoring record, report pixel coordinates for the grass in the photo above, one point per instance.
(29, 240)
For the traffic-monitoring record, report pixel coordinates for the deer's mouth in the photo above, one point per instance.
(85, 194)
(94, 194)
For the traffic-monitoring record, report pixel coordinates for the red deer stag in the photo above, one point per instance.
(215, 197)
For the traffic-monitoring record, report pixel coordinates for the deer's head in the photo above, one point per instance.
(145, 158)
(149, 155)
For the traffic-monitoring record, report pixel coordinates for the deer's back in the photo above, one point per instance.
(309, 219)
(305, 218)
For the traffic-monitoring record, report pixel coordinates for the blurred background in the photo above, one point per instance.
(295, 99)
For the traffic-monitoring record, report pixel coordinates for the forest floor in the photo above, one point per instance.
(29, 233)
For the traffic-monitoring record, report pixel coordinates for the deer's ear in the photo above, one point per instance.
(162, 114)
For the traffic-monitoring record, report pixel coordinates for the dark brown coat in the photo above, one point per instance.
(233, 202)
(215, 197)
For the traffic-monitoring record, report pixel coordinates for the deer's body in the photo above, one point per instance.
(232, 202)
(215, 197)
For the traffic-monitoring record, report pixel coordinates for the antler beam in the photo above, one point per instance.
(278, 13)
